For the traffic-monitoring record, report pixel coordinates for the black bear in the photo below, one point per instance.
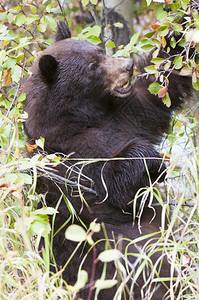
(84, 105)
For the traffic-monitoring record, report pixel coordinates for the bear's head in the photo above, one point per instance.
(74, 66)
(72, 78)
(84, 66)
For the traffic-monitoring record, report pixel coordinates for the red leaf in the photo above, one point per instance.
(162, 92)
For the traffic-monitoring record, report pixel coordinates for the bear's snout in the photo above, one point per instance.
(119, 73)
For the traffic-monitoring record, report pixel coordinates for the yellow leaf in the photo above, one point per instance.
(5, 43)
(7, 77)
(163, 42)
(31, 148)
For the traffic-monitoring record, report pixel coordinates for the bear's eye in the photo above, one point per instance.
(93, 66)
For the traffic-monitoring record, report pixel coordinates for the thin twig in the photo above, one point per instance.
(62, 11)
(173, 203)
(64, 180)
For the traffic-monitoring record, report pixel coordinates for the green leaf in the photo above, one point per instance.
(10, 63)
(167, 65)
(12, 178)
(75, 233)
(149, 34)
(158, 60)
(154, 88)
(109, 255)
(39, 227)
(23, 43)
(95, 227)
(94, 2)
(95, 30)
(30, 59)
(110, 45)
(19, 57)
(25, 164)
(105, 284)
(156, 52)
(40, 142)
(30, 19)
(3, 16)
(82, 278)
(182, 43)
(33, 8)
(3, 28)
(94, 40)
(7, 36)
(178, 62)
(10, 17)
(151, 69)
(134, 39)
(49, 7)
(166, 100)
(155, 42)
(118, 24)
(196, 84)
(147, 47)
(160, 13)
(177, 27)
(16, 73)
(21, 97)
(50, 21)
(163, 30)
(173, 42)
(85, 2)
(42, 27)
(26, 178)
(20, 19)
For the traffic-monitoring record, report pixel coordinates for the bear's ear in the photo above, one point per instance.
(63, 31)
(48, 67)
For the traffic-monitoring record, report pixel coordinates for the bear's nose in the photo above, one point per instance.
(129, 67)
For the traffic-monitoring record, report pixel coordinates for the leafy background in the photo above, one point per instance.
(26, 28)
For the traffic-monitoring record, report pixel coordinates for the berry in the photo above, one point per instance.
(167, 9)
